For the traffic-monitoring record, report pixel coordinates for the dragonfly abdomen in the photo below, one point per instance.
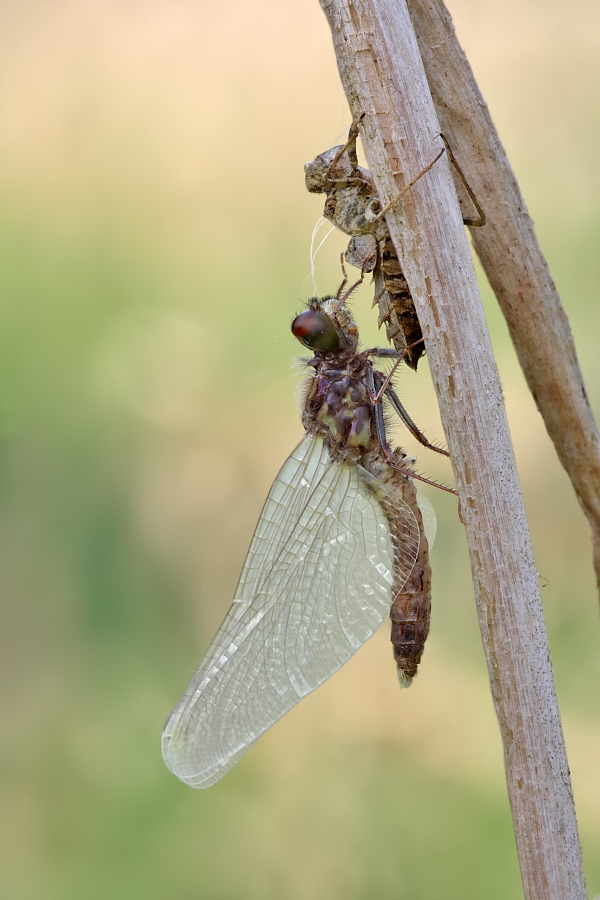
(410, 615)
(411, 607)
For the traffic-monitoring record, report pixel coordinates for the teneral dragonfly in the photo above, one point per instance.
(339, 544)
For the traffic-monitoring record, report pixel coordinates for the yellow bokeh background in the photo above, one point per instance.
(154, 241)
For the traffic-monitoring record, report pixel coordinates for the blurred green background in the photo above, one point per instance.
(154, 241)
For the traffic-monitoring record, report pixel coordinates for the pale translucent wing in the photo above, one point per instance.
(315, 586)
(429, 517)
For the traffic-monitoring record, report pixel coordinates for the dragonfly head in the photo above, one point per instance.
(323, 330)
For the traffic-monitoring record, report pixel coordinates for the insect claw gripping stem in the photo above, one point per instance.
(480, 221)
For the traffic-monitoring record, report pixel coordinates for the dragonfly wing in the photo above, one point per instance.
(428, 515)
(315, 586)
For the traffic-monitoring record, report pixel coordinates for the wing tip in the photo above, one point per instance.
(185, 767)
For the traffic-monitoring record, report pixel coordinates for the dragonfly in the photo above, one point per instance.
(341, 545)
(352, 204)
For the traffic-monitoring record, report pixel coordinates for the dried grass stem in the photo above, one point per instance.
(383, 76)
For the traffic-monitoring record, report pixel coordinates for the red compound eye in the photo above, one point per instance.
(316, 330)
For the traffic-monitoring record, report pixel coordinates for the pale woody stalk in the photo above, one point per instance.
(513, 261)
(383, 76)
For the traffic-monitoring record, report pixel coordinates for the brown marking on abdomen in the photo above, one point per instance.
(411, 608)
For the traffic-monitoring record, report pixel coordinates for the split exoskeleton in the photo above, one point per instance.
(353, 206)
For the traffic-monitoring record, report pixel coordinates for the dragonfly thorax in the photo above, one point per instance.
(338, 407)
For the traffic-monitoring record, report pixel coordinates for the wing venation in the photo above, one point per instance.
(316, 584)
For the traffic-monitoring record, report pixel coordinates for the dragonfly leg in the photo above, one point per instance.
(385, 447)
(379, 394)
(406, 188)
(341, 299)
(349, 146)
(342, 285)
(397, 405)
(383, 352)
(473, 221)
(414, 430)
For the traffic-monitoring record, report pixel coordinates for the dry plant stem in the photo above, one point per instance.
(383, 76)
(512, 259)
